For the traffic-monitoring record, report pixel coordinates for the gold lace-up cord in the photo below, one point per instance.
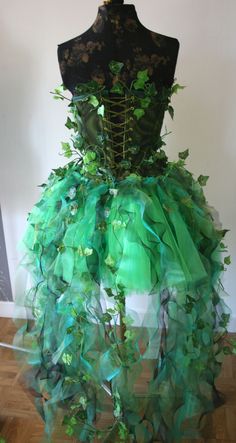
(118, 131)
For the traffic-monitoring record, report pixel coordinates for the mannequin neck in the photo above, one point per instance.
(111, 11)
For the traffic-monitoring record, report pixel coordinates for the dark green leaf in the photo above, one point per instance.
(145, 102)
(184, 154)
(202, 179)
(226, 350)
(117, 88)
(227, 260)
(151, 89)
(109, 292)
(69, 123)
(115, 66)
(171, 111)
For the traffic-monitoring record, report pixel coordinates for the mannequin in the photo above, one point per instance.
(117, 34)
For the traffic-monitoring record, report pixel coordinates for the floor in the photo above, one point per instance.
(20, 423)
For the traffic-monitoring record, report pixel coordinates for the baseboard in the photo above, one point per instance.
(9, 310)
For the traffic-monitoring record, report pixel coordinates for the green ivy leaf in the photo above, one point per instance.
(227, 260)
(86, 377)
(69, 430)
(143, 75)
(170, 109)
(73, 421)
(67, 359)
(145, 102)
(202, 179)
(139, 112)
(176, 87)
(99, 435)
(58, 91)
(184, 154)
(151, 89)
(115, 66)
(101, 110)
(78, 141)
(128, 320)
(66, 149)
(142, 78)
(111, 311)
(223, 246)
(123, 432)
(117, 88)
(93, 101)
(225, 319)
(109, 292)
(222, 232)
(106, 317)
(69, 123)
(89, 157)
(226, 350)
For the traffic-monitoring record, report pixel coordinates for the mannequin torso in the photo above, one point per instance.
(117, 34)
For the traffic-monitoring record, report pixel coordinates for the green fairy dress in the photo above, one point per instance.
(125, 260)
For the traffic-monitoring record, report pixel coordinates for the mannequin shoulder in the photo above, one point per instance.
(164, 40)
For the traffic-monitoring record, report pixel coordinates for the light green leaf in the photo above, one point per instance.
(58, 91)
(66, 149)
(143, 75)
(89, 156)
(101, 110)
(139, 112)
(67, 359)
(73, 421)
(93, 101)
(142, 78)
(123, 432)
(69, 430)
(176, 87)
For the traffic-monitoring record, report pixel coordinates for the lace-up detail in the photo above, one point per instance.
(118, 119)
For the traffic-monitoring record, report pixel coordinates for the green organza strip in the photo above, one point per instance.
(90, 247)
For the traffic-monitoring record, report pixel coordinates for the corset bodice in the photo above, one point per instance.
(118, 130)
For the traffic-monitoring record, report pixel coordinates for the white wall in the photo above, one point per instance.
(32, 123)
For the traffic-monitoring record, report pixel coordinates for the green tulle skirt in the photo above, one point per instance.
(142, 253)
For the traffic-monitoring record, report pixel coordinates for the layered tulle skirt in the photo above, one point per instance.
(142, 253)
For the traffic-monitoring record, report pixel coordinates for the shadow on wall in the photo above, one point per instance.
(5, 284)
